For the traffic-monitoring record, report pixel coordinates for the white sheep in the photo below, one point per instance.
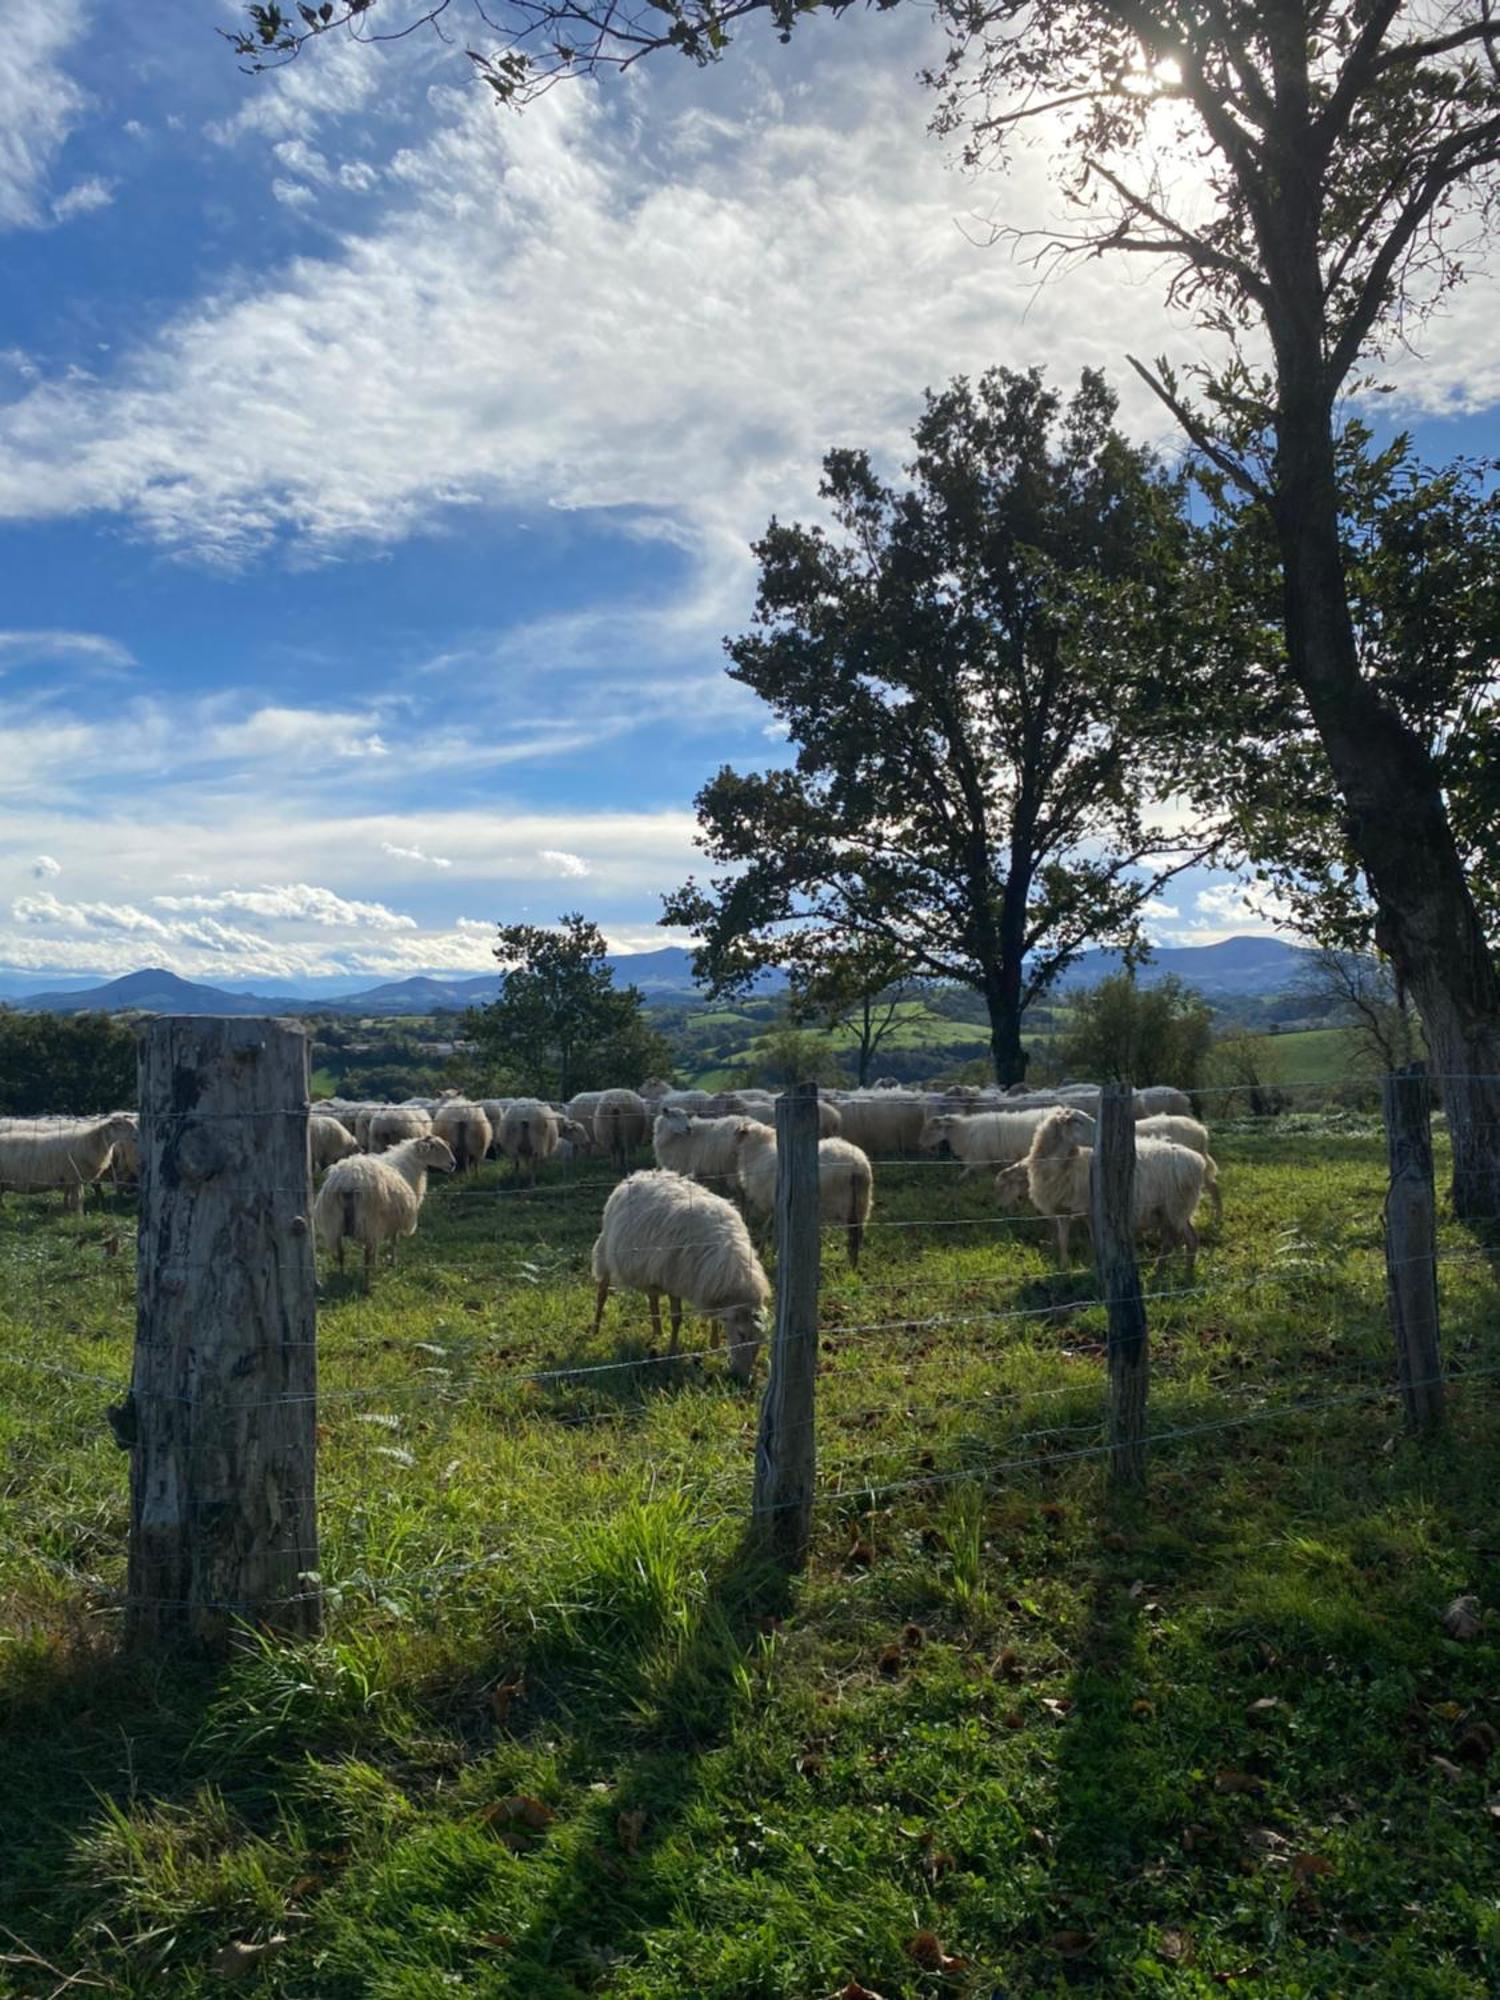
(125, 1160)
(621, 1122)
(465, 1130)
(984, 1138)
(393, 1124)
(374, 1200)
(883, 1122)
(1169, 1182)
(662, 1233)
(703, 1148)
(69, 1154)
(1162, 1100)
(495, 1108)
(581, 1108)
(846, 1181)
(1011, 1184)
(328, 1139)
(528, 1133)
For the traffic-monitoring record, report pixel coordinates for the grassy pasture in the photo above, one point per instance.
(1007, 1736)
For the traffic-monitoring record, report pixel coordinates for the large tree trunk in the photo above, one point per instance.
(1398, 820)
(1002, 996)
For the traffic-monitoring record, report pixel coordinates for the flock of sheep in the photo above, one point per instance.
(665, 1231)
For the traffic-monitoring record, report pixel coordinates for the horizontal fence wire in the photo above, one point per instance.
(843, 1486)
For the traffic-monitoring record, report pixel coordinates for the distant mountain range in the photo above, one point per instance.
(1241, 966)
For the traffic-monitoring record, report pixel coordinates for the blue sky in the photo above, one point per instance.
(377, 469)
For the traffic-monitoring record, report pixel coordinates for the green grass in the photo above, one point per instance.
(566, 1735)
(1314, 1055)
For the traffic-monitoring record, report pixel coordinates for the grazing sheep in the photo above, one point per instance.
(69, 1154)
(376, 1200)
(1161, 1100)
(703, 1148)
(125, 1160)
(1169, 1182)
(328, 1140)
(574, 1141)
(528, 1133)
(1177, 1131)
(984, 1139)
(465, 1130)
(581, 1109)
(883, 1122)
(393, 1124)
(663, 1233)
(621, 1123)
(846, 1181)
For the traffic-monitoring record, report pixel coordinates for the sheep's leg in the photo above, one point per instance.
(655, 1297)
(1216, 1202)
(675, 1304)
(338, 1255)
(1190, 1244)
(600, 1297)
(856, 1239)
(369, 1272)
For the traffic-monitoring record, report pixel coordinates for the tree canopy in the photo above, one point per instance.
(1123, 1032)
(560, 1024)
(70, 1064)
(974, 672)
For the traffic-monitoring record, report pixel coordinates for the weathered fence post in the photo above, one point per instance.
(786, 1449)
(1113, 1199)
(222, 1413)
(1411, 1245)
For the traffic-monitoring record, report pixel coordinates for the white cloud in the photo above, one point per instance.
(653, 311)
(92, 648)
(1226, 910)
(414, 854)
(293, 194)
(39, 103)
(291, 900)
(560, 863)
(83, 198)
(44, 866)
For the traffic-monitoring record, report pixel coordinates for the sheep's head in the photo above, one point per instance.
(934, 1134)
(1059, 1133)
(743, 1328)
(749, 1132)
(1013, 1188)
(673, 1117)
(436, 1154)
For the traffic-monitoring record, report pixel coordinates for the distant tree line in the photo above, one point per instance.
(71, 1064)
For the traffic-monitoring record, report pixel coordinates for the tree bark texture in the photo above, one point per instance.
(223, 1516)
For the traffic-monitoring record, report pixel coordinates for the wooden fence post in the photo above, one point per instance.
(786, 1448)
(222, 1412)
(1113, 1201)
(1411, 1245)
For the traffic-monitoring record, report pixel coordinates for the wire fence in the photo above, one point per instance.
(953, 1304)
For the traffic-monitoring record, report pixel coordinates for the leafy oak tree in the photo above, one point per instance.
(1345, 161)
(860, 989)
(560, 1024)
(975, 674)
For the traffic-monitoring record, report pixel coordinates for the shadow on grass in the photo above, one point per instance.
(608, 1897)
(83, 1726)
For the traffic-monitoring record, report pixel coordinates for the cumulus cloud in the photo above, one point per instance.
(44, 866)
(560, 863)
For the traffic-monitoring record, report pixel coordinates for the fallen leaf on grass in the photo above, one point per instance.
(1305, 1867)
(854, 1991)
(912, 1637)
(1071, 1944)
(1142, 1711)
(502, 1696)
(1013, 1719)
(496, 1940)
(860, 1556)
(1450, 1711)
(1462, 1620)
(810, 1764)
(890, 1660)
(630, 1826)
(1446, 1768)
(925, 1950)
(1266, 1708)
(1227, 1978)
(1176, 1947)
(517, 1817)
(1007, 1665)
(1237, 1781)
(237, 1957)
